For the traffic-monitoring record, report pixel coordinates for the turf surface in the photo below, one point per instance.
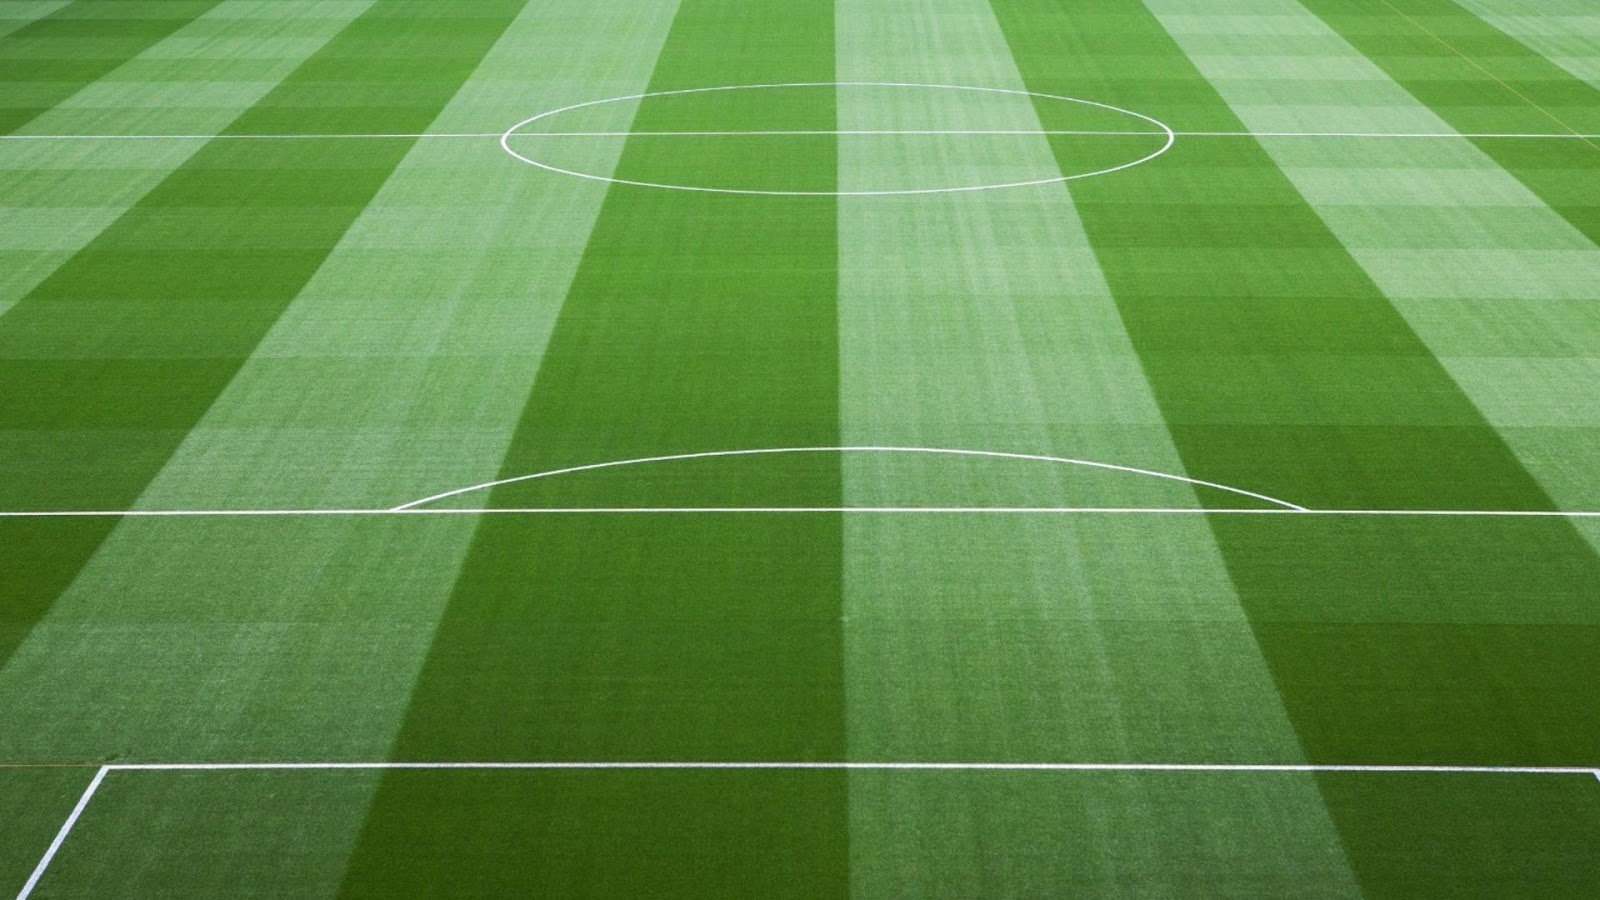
(1300, 302)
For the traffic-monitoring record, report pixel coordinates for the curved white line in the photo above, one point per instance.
(991, 454)
(505, 140)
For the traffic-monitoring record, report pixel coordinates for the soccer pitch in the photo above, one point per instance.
(951, 448)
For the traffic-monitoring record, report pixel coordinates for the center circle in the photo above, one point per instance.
(930, 138)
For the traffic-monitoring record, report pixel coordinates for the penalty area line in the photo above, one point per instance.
(61, 835)
(798, 765)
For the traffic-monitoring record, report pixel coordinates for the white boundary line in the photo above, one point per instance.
(936, 132)
(61, 836)
(1165, 130)
(1047, 767)
(1370, 135)
(796, 510)
(1380, 135)
(376, 136)
(878, 766)
(769, 451)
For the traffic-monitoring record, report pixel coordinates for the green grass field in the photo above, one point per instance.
(757, 448)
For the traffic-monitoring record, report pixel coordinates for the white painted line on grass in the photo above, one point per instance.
(1374, 135)
(1383, 135)
(796, 510)
(934, 132)
(932, 451)
(1168, 138)
(797, 765)
(61, 836)
(856, 132)
(238, 137)
(851, 766)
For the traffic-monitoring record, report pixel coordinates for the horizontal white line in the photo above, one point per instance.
(1384, 135)
(804, 133)
(885, 766)
(238, 137)
(1046, 133)
(798, 510)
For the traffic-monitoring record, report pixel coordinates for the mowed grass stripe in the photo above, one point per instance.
(111, 360)
(55, 196)
(1278, 365)
(1497, 284)
(20, 14)
(1481, 80)
(403, 365)
(1566, 32)
(695, 322)
(51, 58)
(982, 320)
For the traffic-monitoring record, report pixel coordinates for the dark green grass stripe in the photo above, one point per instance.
(1481, 80)
(1280, 367)
(55, 56)
(115, 357)
(695, 322)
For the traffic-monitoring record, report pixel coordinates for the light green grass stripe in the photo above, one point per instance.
(188, 82)
(397, 369)
(1502, 290)
(264, 835)
(1479, 79)
(983, 320)
(55, 197)
(167, 303)
(51, 57)
(403, 366)
(1566, 32)
(117, 354)
(244, 644)
(21, 13)
(1493, 281)
(1274, 356)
